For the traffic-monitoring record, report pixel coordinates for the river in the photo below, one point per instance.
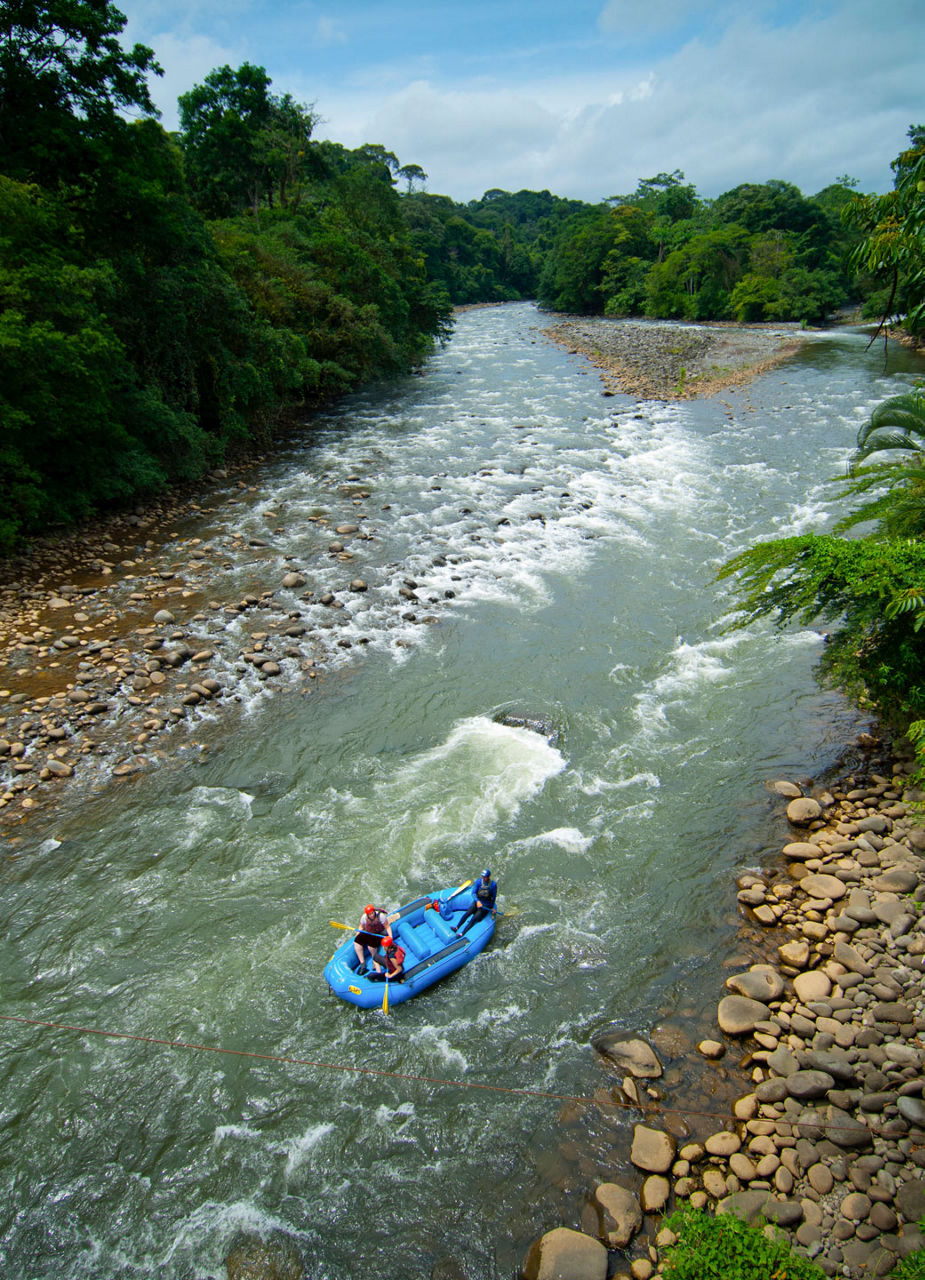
(564, 548)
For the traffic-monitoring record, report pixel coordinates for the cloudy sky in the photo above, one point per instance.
(583, 97)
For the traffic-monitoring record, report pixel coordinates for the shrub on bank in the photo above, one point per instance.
(723, 1247)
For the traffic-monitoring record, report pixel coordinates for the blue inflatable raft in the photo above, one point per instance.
(432, 948)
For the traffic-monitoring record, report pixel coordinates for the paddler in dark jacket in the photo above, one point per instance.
(484, 901)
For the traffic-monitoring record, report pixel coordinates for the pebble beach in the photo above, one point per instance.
(826, 1138)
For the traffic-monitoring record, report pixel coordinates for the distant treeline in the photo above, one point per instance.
(163, 297)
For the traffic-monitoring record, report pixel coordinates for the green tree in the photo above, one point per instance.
(65, 81)
(223, 126)
(898, 485)
(871, 588)
(892, 251)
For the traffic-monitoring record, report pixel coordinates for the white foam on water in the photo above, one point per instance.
(242, 1132)
(568, 838)
(433, 1042)
(394, 1118)
(214, 1223)
(465, 788)
(298, 1150)
(691, 667)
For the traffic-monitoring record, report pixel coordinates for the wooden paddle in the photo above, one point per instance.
(459, 890)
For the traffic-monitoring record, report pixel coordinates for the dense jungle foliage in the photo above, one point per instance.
(161, 297)
(870, 584)
(165, 297)
(758, 252)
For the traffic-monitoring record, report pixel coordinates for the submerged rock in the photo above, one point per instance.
(278, 1257)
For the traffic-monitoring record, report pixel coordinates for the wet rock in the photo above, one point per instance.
(789, 790)
(738, 1015)
(794, 953)
(655, 1193)
(803, 811)
(619, 1213)
(652, 1150)
(628, 1054)
(760, 983)
(564, 1254)
(277, 1257)
(712, 1049)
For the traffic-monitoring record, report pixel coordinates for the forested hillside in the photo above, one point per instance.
(165, 297)
(759, 252)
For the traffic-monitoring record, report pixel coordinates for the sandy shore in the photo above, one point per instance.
(675, 361)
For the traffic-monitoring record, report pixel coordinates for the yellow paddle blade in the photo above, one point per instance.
(385, 998)
(459, 890)
(337, 925)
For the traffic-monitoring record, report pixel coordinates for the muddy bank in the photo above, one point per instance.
(675, 361)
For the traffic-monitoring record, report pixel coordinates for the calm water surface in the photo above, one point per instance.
(579, 538)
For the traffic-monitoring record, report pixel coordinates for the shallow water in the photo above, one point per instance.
(579, 537)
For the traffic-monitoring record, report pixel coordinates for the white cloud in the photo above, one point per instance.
(806, 102)
(329, 31)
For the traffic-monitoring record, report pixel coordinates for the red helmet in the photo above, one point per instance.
(369, 910)
(388, 943)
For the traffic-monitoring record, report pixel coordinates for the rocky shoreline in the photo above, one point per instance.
(120, 647)
(827, 1138)
(674, 361)
(111, 638)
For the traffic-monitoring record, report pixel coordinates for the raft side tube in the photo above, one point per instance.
(434, 959)
(418, 905)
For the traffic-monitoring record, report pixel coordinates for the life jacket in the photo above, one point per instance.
(376, 925)
(395, 958)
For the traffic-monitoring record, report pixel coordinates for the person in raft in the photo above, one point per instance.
(394, 961)
(484, 901)
(374, 925)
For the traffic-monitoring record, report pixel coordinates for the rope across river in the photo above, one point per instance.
(604, 1104)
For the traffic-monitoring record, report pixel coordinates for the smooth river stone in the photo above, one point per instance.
(819, 885)
(804, 811)
(652, 1150)
(812, 985)
(564, 1254)
(737, 1015)
(896, 880)
(801, 851)
(809, 1084)
(620, 1214)
(761, 983)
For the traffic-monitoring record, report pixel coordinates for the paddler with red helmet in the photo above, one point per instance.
(374, 926)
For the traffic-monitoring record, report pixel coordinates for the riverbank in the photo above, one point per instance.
(115, 640)
(676, 361)
(826, 1139)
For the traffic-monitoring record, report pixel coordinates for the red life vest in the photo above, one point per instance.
(394, 959)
